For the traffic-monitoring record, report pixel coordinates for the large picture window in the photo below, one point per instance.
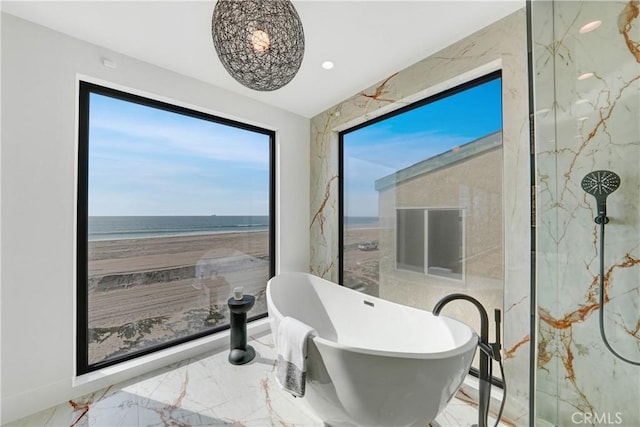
(175, 210)
(421, 200)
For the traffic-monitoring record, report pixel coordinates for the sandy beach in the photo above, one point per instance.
(147, 291)
(361, 271)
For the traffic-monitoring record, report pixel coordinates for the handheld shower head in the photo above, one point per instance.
(600, 184)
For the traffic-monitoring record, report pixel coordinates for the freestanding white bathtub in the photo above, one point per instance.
(374, 362)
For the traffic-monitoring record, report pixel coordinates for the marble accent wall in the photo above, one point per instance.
(501, 45)
(586, 122)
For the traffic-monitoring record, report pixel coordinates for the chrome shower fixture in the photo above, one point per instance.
(600, 184)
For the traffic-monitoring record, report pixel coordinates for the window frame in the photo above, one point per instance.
(428, 100)
(85, 89)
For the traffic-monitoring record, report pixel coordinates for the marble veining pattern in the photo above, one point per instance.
(585, 124)
(208, 391)
(501, 45)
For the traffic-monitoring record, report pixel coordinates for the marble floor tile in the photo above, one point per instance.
(207, 391)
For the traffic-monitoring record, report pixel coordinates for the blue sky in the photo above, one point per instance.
(387, 146)
(146, 161)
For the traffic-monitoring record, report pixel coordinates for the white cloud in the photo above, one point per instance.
(196, 137)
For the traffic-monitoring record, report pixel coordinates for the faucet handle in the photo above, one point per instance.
(498, 318)
(491, 349)
(486, 347)
(495, 352)
(497, 346)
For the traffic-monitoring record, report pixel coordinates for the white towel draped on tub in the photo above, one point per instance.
(292, 353)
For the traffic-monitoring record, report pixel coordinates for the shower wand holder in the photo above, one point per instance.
(601, 219)
(240, 353)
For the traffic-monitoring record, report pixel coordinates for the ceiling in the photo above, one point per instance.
(367, 40)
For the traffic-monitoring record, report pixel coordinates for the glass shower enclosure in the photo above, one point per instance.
(586, 91)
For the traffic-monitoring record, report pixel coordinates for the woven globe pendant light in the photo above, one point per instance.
(259, 42)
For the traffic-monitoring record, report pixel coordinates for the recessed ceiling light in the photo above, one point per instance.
(585, 76)
(582, 101)
(327, 65)
(590, 27)
(582, 119)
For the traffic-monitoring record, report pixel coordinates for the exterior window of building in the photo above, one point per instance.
(431, 241)
(410, 239)
(421, 192)
(175, 210)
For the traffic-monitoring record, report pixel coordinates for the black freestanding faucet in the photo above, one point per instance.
(488, 349)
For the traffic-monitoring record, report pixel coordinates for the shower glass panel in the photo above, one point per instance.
(586, 57)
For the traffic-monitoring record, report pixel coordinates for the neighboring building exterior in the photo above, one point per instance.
(441, 229)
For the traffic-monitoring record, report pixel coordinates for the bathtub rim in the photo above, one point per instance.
(463, 348)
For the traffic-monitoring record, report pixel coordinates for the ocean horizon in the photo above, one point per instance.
(140, 227)
(137, 227)
(361, 221)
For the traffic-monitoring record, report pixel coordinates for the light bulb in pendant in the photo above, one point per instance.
(260, 41)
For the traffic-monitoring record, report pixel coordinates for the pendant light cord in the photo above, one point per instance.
(601, 311)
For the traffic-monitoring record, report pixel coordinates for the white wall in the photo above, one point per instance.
(38, 159)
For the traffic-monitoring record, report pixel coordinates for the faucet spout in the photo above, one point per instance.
(485, 378)
(484, 318)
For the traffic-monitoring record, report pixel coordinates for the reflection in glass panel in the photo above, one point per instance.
(422, 201)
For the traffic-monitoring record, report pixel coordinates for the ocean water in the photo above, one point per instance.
(135, 227)
(361, 221)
